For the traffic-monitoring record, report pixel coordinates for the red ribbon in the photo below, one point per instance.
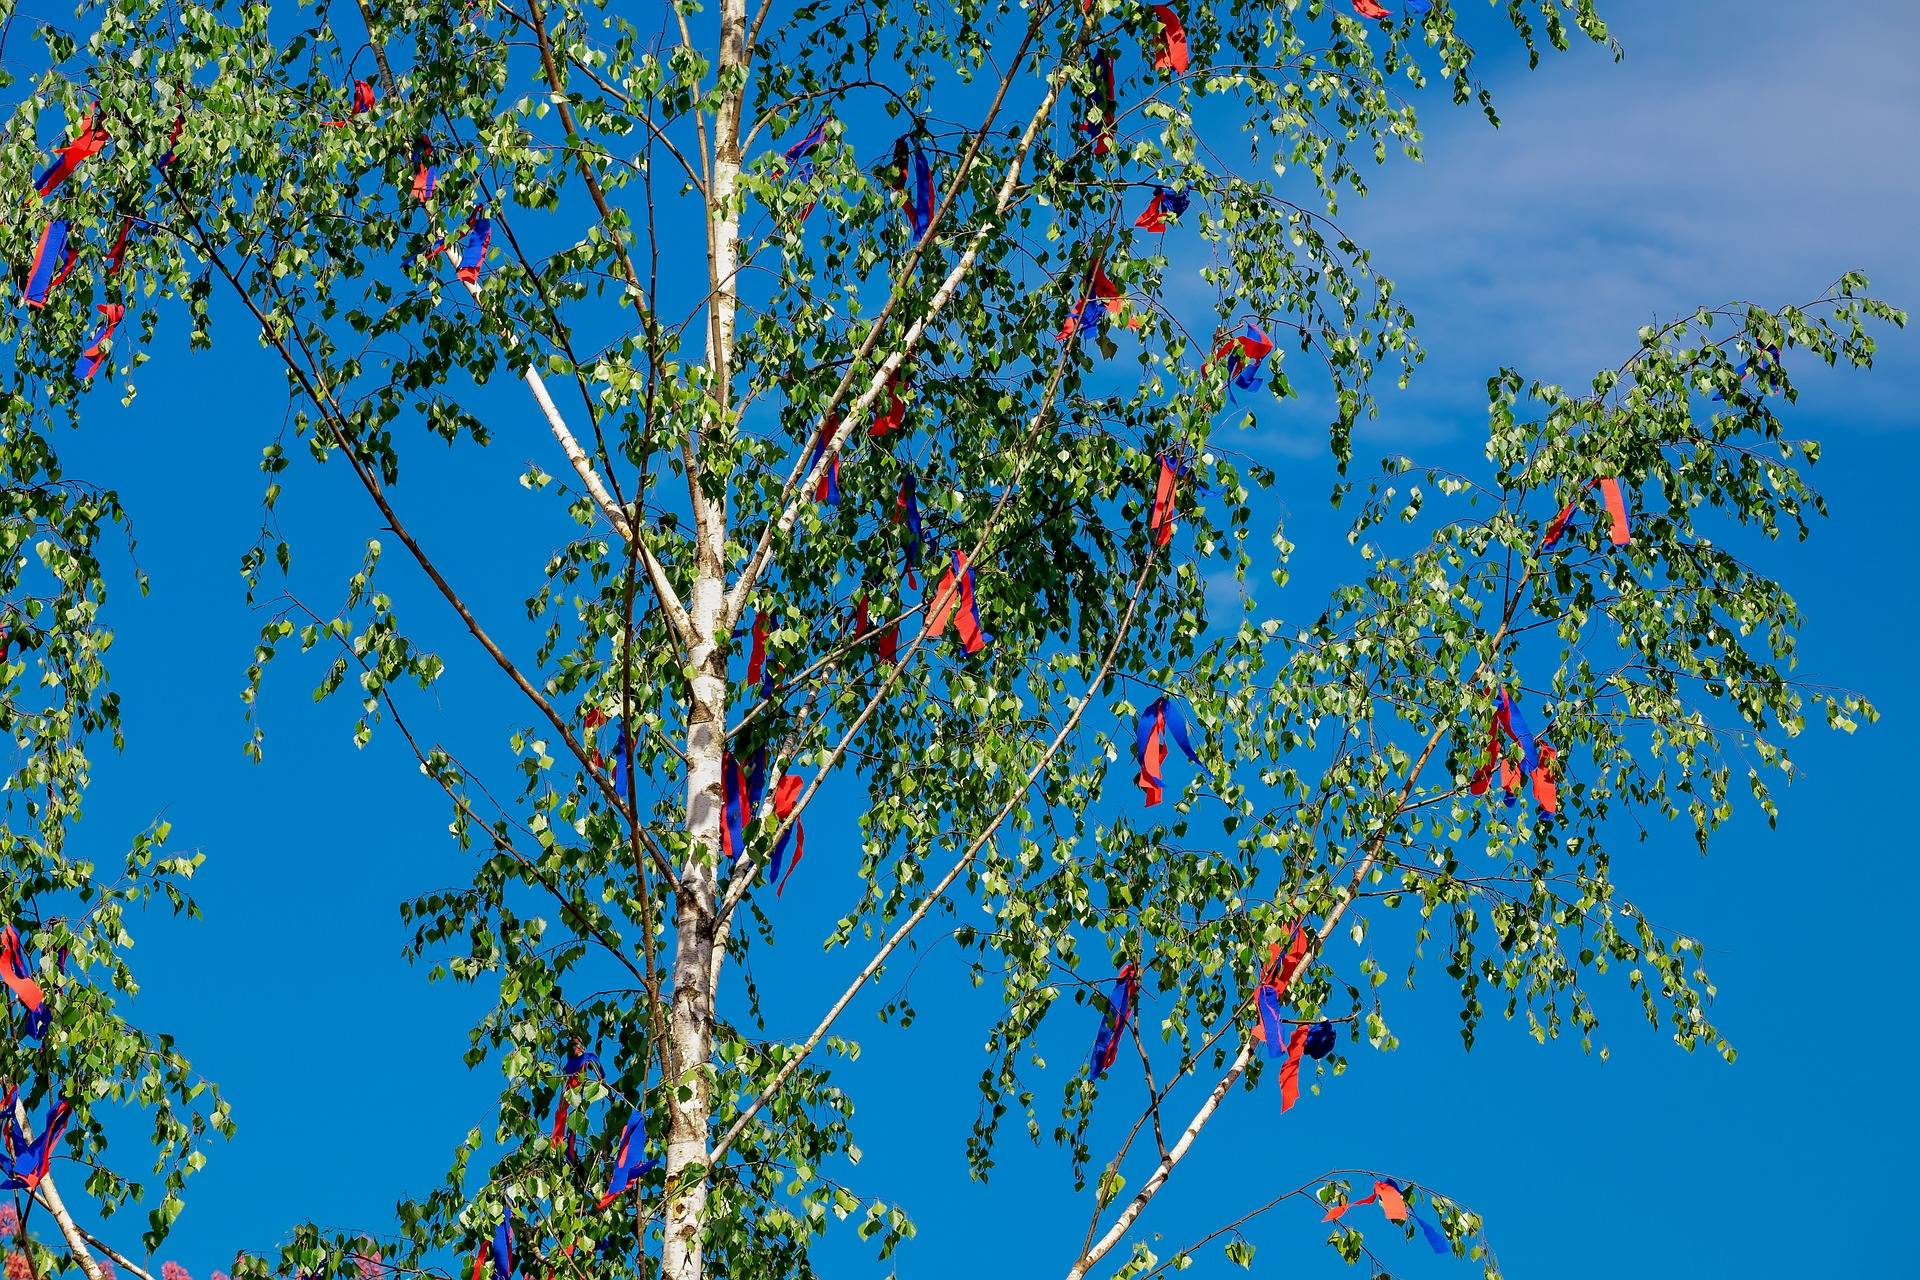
(1173, 40)
(757, 659)
(118, 254)
(889, 638)
(96, 350)
(1392, 1203)
(1616, 503)
(13, 971)
(1160, 522)
(1368, 9)
(1290, 1069)
(890, 418)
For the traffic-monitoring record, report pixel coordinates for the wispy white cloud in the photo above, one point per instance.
(1734, 153)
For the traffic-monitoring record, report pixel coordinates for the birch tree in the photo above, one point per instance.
(825, 329)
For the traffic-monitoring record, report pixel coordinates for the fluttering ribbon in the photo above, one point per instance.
(1166, 203)
(907, 511)
(52, 263)
(17, 973)
(504, 1260)
(575, 1066)
(1619, 526)
(363, 100)
(733, 832)
(914, 181)
(1275, 976)
(827, 488)
(1393, 1203)
(590, 722)
(629, 1161)
(1245, 353)
(1160, 721)
(785, 795)
(96, 349)
(26, 1163)
(173, 142)
(953, 601)
(1386, 1191)
(117, 256)
(1369, 9)
(1772, 376)
(894, 415)
(425, 175)
(799, 156)
(888, 642)
(1536, 762)
(1173, 41)
(1166, 500)
(621, 746)
(799, 165)
(88, 143)
(757, 670)
(1106, 101)
(1113, 1022)
(1102, 294)
(473, 250)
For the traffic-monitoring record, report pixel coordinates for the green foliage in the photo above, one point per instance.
(1336, 754)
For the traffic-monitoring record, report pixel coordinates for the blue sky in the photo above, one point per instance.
(1751, 150)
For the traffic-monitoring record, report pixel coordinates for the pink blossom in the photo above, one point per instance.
(9, 1221)
(370, 1264)
(219, 1275)
(18, 1268)
(106, 1268)
(173, 1271)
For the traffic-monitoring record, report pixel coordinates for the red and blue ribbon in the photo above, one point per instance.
(1387, 1192)
(1772, 377)
(1160, 721)
(16, 971)
(1102, 294)
(52, 263)
(785, 795)
(1106, 101)
(907, 510)
(473, 250)
(914, 181)
(1536, 761)
(629, 1161)
(827, 488)
(1113, 1022)
(426, 176)
(1619, 524)
(26, 1163)
(1166, 499)
(799, 158)
(96, 350)
(173, 143)
(1166, 203)
(1393, 1203)
(1245, 353)
(575, 1066)
(88, 143)
(1274, 979)
(889, 637)
(953, 601)
(117, 256)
